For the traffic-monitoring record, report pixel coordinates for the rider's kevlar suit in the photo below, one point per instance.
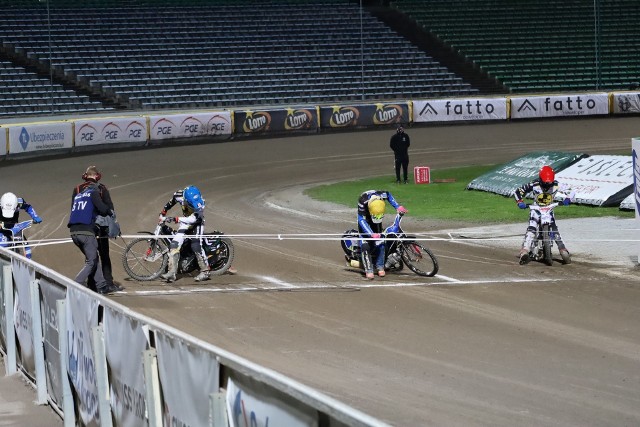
(366, 226)
(9, 222)
(534, 188)
(190, 223)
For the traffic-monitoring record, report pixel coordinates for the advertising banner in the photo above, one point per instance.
(359, 115)
(249, 400)
(22, 275)
(464, 109)
(110, 131)
(38, 137)
(276, 120)
(125, 340)
(635, 155)
(600, 180)
(82, 316)
(50, 294)
(188, 375)
(625, 103)
(506, 178)
(172, 126)
(4, 140)
(539, 106)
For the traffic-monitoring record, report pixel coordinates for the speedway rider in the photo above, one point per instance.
(371, 207)
(547, 184)
(191, 223)
(11, 206)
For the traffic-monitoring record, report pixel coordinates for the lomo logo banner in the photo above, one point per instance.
(22, 275)
(253, 405)
(465, 109)
(188, 375)
(301, 119)
(82, 316)
(531, 107)
(110, 131)
(625, 103)
(125, 340)
(338, 116)
(51, 293)
(387, 114)
(253, 121)
(40, 137)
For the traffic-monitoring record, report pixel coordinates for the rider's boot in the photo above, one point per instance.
(526, 245)
(204, 269)
(564, 252)
(170, 275)
(367, 264)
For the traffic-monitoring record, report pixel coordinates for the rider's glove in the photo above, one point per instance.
(162, 218)
(173, 219)
(402, 210)
(37, 219)
(163, 212)
(566, 201)
(522, 205)
(376, 236)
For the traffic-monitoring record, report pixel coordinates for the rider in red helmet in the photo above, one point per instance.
(546, 183)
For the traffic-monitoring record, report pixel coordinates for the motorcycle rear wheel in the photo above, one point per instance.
(145, 259)
(546, 245)
(225, 258)
(419, 259)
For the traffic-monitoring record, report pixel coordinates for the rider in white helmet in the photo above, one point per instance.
(11, 206)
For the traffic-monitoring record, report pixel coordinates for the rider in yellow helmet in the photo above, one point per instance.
(371, 209)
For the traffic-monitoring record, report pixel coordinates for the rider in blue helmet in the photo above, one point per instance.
(190, 223)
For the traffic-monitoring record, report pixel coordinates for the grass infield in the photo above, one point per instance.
(447, 198)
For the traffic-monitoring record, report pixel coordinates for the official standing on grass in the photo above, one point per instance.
(400, 143)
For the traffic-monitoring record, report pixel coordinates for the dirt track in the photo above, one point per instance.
(486, 342)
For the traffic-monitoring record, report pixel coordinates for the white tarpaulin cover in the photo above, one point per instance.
(599, 180)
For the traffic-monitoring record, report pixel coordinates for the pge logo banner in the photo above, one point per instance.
(625, 103)
(40, 137)
(276, 120)
(110, 131)
(190, 125)
(532, 107)
(465, 109)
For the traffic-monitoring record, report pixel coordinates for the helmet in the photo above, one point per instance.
(9, 203)
(547, 176)
(376, 209)
(193, 197)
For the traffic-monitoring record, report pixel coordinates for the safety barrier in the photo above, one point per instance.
(90, 356)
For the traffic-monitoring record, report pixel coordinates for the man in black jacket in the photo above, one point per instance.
(86, 205)
(400, 143)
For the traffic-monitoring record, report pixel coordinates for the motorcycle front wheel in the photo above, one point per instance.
(419, 259)
(145, 259)
(546, 245)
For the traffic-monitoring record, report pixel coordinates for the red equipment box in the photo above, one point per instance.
(421, 175)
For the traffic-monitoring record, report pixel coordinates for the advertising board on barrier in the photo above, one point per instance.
(38, 137)
(172, 126)
(625, 103)
(464, 109)
(22, 307)
(110, 131)
(276, 120)
(263, 408)
(4, 140)
(599, 180)
(533, 107)
(357, 115)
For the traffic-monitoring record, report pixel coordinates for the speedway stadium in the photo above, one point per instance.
(484, 342)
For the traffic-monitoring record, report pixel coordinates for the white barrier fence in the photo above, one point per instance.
(88, 355)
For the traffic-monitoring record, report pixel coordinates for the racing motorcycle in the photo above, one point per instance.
(13, 238)
(544, 236)
(400, 250)
(147, 258)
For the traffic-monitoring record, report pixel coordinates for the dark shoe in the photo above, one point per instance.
(397, 181)
(524, 257)
(566, 256)
(109, 290)
(405, 181)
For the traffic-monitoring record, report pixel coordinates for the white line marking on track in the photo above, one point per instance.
(313, 286)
